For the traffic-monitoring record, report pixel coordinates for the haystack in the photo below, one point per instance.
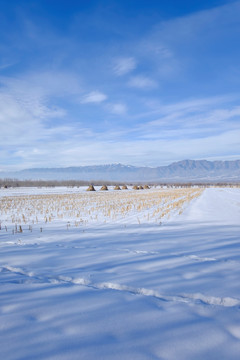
(104, 187)
(135, 187)
(140, 187)
(91, 188)
(146, 187)
(117, 187)
(124, 187)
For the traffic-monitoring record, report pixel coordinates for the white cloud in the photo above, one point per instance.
(94, 97)
(33, 97)
(177, 135)
(28, 116)
(118, 108)
(26, 124)
(174, 47)
(104, 149)
(5, 65)
(142, 82)
(43, 84)
(124, 66)
(212, 112)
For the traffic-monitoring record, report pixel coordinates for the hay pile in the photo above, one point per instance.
(124, 187)
(146, 187)
(104, 188)
(140, 187)
(117, 187)
(91, 188)
(135, 187)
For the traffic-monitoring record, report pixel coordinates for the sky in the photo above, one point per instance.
(137, 82)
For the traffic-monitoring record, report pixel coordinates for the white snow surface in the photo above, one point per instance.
(125, 290)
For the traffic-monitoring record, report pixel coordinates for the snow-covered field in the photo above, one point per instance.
(148, 274)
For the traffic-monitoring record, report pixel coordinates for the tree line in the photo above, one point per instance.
(9, 183)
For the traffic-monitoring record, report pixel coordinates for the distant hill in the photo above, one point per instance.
(186, 170)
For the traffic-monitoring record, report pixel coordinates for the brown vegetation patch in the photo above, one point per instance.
(91, 188)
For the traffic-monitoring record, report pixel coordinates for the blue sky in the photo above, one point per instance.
(136, 82)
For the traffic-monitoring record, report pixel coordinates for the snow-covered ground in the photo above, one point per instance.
(121, 288)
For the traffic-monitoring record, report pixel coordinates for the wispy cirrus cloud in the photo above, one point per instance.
(175, 135)
(124, 65)
(117, 108)
(34, 97)
(5, 65)
(41, 87)
(94, 97)
(142, 82)
(30, 114)
(192, 120)
(194, 46)
(165, 88)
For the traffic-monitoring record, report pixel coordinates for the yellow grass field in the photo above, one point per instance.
(83, 207)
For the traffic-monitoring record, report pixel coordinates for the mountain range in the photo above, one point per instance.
(186, 170)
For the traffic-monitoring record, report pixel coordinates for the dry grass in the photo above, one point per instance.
(85, 208)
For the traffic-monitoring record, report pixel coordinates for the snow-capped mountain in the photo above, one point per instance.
(186, 170)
